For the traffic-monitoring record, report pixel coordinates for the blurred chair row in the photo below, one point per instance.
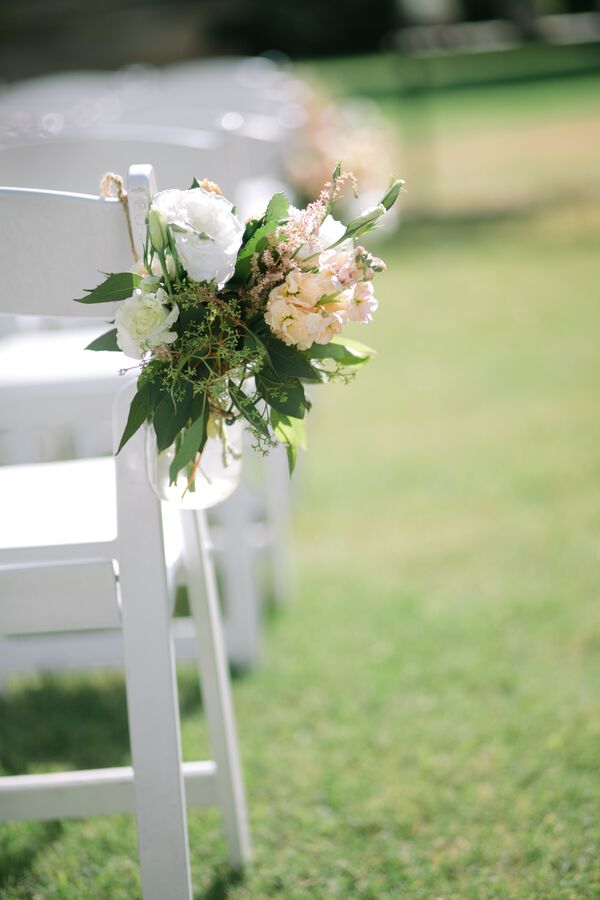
(63, 133)
(236, 115)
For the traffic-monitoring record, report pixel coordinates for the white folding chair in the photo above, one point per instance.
(31, 399)
(100, 564)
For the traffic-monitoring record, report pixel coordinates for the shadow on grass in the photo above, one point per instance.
(18, 857)
(223, 882)
(72, 721)
(64, 721)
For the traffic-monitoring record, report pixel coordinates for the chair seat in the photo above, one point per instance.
(26, 354)
(42, 373)
(50, 503)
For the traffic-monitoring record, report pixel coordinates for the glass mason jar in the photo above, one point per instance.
(211, 478)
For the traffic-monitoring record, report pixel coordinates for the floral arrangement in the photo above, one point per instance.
(231, 321)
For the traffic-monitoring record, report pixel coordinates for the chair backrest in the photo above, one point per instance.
(76, 161)
(55, 245)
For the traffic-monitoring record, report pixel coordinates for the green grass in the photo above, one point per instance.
(457, 104)
(554, 71)
(483, 148)
(426, 721)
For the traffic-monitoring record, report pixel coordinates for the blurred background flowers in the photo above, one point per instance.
(425, 718)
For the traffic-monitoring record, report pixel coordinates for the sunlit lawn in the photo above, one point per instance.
(426, 722)
(492, 147)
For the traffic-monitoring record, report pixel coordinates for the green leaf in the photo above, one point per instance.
(141, 409)
(344, 351)
(170, 417)
(251, 226)
(107, 341)
(248, 409)
(286, 395)
(195, 184)
(276, 211)
(277, 208)
(292, 433)
(193, 442)
(288, 361)
(116, 287)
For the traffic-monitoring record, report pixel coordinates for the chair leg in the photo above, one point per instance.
(278, 502)
(216, 692)
(150, 676)
(154, 722)
(237, 565)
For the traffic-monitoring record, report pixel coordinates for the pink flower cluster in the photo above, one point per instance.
(313, 304)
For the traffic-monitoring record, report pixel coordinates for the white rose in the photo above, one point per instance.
(207, 233)
(143, 322)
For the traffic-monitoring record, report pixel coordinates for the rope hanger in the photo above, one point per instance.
(112, 186)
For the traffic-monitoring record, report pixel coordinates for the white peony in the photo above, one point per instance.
(143, 322)
(207, 233)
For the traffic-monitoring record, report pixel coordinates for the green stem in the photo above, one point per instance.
(178, 266)
(163, 265)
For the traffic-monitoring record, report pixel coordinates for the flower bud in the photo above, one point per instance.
(157, 228)
(391, 195)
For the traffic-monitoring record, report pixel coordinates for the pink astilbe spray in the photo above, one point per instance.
(303, 225)
(270, 267)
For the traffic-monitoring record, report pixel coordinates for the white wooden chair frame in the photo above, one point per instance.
(158, 786)
(241, 539)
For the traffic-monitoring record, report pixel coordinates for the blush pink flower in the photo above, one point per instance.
(362, 304)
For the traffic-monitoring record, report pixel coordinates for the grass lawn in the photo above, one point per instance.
(426, 722)
(482, 149)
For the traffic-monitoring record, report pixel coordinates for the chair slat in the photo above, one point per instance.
(81, 650)
(93, 792)
(53, 245)
(66, 597)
